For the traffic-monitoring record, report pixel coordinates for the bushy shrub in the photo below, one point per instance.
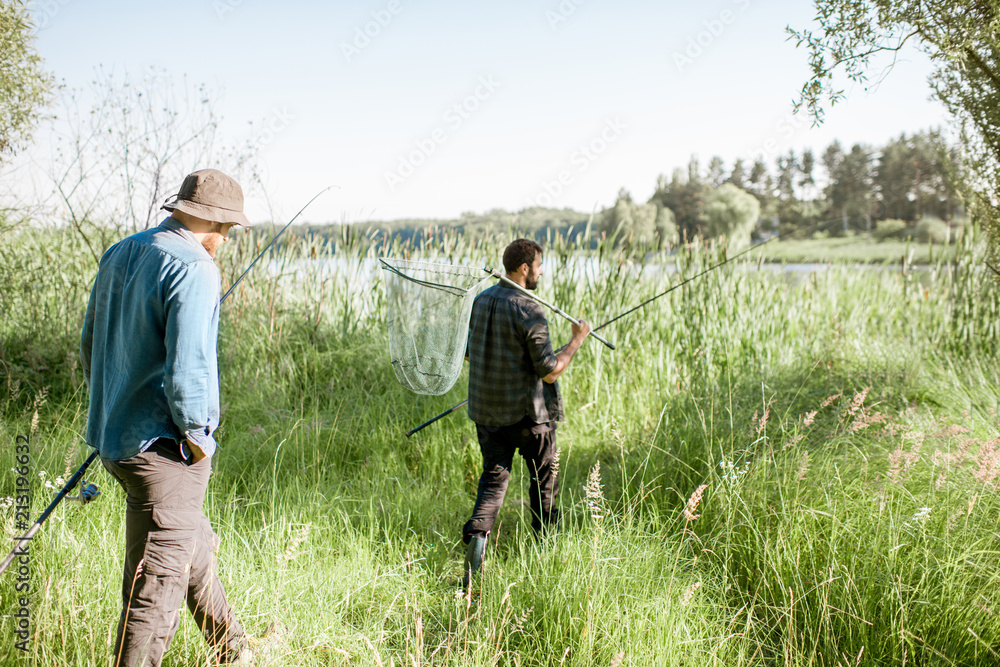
(731, 212)
(933, 230)
(889, 229)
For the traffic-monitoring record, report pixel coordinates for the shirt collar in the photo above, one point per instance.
(175, 225)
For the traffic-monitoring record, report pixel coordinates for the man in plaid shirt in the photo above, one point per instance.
(513, 396)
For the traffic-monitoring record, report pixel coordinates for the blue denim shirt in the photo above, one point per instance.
(149, 343)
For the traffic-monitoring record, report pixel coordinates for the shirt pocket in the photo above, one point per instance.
(170, 546)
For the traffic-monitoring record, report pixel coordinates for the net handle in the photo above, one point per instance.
(426, 283)
(497, 274)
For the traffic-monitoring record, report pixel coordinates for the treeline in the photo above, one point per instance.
(908, 187)
(536, 222)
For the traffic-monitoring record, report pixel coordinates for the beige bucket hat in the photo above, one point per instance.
(210, 195)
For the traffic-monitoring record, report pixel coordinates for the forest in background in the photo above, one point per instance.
(907, 188)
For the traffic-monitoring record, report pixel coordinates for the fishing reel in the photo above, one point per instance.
(88, 492)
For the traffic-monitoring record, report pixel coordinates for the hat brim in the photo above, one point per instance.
(209, 213)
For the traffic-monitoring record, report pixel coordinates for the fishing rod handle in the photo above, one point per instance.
(497, 274)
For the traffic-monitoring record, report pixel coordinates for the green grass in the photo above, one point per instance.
(856, 249)
(825, 413)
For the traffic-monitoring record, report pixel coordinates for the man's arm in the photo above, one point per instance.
(192, 304)
(580, 333)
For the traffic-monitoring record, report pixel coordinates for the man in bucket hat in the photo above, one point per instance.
(149, 358)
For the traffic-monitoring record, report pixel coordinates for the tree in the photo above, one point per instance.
(732, 213)
(914, 178)
(738, 175)
(639, 225)
(666, 226)
(117, 159)
(25, 88)
(807, 182)
(761, 185)
(849, 192)
(961, 39)
(716, 172)
(792, 214)
(788, 167)
(682, 194)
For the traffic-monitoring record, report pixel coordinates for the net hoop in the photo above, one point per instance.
(429, 305)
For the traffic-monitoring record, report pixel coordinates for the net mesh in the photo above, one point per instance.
(429, 306)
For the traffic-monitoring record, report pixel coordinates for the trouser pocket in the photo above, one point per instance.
(171, 542)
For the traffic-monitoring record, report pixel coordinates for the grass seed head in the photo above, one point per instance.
(829, 400)
(763, 421)
(594, 493)
(803, 467)
(794, 441)
(693, 502)
(858, 402)
(689, 593)
(293, 545)
(988, 462)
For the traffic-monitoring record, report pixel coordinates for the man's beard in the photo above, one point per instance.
(213, 241)
(531, 282)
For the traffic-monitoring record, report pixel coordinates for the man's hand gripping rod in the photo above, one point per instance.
(511, 283)
(89, 492)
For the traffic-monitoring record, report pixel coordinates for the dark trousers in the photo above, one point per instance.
(169, 557)
(498, 444)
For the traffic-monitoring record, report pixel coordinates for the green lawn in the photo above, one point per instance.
(856, 249)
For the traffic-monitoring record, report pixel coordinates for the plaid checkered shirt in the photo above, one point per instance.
(509, 354)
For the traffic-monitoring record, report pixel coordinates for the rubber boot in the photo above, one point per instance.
(473, 559)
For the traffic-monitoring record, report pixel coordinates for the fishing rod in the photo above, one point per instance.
(632, 310)
(267, 247)
(89, 492)
(995, 269)
(511, 283)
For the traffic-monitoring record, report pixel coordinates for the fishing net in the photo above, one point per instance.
(429, 306)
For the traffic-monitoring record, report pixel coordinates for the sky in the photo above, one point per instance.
(434, 108)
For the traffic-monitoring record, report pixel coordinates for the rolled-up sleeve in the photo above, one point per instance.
(190, 372)
(536, 335)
